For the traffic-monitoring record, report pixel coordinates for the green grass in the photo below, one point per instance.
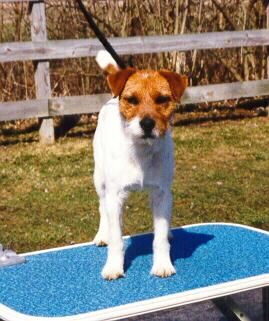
(48, 198)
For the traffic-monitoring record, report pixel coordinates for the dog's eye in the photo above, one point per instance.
(132, 100)
(162, 99)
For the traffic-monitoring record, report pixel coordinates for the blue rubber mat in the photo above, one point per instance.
(68, 281)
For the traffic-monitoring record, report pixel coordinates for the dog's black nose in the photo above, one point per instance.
(147, 124)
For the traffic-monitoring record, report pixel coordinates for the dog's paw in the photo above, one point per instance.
(112, 272)
(100, 240)
(163, 270)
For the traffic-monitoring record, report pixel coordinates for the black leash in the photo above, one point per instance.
(101, 36)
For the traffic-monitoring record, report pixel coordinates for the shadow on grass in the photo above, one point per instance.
(69, 122)
(217, 118)
(183, 245)
(13, 136)
(9, 142)
(18, 131)
(85, 133)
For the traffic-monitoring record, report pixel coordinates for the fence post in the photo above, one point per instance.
(42, 76)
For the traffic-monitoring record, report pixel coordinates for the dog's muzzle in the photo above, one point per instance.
(147, 124)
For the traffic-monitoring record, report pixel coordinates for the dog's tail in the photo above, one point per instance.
(106, 62)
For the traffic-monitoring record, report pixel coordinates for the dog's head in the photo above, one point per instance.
(147, 98)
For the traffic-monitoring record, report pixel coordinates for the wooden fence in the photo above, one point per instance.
(41, 50)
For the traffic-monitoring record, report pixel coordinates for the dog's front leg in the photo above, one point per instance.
(161, 202)
(113, 268)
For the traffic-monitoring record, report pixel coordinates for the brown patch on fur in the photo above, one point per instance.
(118, 80)
(148, 93)
(177, 82)
(111, 69)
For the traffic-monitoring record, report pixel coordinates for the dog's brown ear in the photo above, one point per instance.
(118, 80)
(177, 83)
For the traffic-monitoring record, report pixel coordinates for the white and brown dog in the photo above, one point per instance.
(133, 150)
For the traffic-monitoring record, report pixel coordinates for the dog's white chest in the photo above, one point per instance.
(125, 164)
(140, 173)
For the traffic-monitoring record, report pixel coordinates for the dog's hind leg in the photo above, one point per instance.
(101, 238)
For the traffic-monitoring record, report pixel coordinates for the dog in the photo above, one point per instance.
(133, 150)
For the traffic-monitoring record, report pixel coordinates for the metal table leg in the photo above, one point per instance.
(230, 309)
(265, 303)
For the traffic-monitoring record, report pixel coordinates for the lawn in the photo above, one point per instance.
(48, 198)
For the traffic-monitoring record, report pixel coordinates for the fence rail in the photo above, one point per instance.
(75, 48)
(60, 106)
(41, 51)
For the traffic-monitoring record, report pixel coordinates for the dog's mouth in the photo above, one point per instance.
(148, 136)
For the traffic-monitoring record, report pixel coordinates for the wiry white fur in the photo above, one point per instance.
(104, 59)
(124, 162)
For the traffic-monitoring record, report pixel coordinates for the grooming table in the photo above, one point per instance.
(64, 284)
